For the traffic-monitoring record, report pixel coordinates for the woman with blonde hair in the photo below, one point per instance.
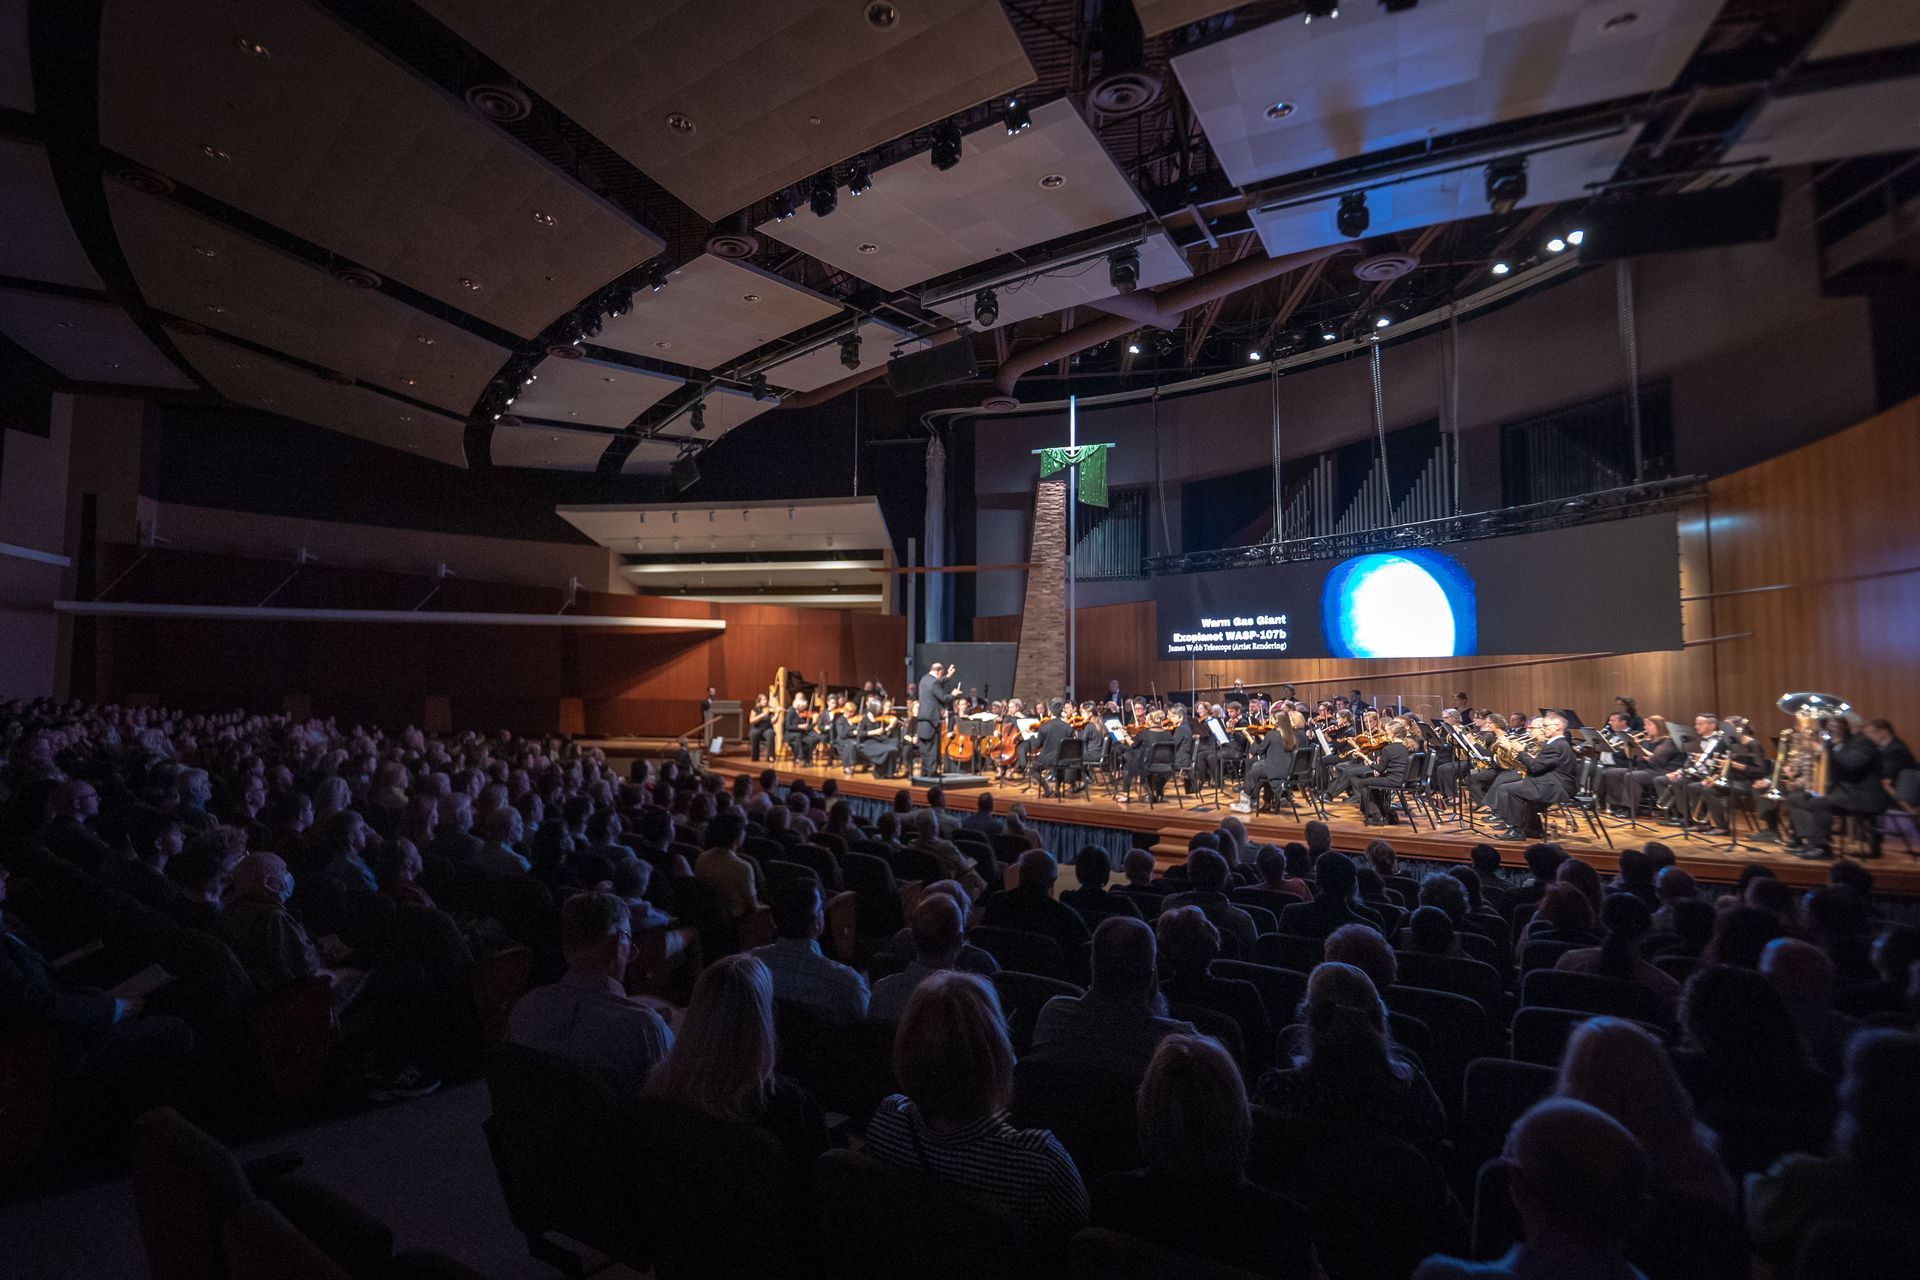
(1616, 1066)
(722, 1060)
(1195, 1128)
(954, 1063)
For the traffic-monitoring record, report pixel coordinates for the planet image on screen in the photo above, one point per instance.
(1398, 604)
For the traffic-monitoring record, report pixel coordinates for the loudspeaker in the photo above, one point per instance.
(1740, 214)
(685, 472)
(934, 367)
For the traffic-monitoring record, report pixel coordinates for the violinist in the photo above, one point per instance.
(1269, 761)
(1092, 730)
(1150, 734)
(1181, 730)
(1209, 751)
(1350, 767)
(800, 729)
(870, 741)
(837, 732)
(760, 726)
(1386, 775)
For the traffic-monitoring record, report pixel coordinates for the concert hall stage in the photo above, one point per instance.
(1166, 827)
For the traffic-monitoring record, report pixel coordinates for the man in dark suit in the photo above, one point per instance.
(1548, 776)
(1045, 757)
(936, 695)
(1031, 907)
(1388, 773)
(1336, 900)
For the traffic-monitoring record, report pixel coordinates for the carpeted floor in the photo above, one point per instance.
(422, 1166)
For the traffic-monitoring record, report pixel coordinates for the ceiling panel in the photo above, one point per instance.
(711, 311)
(1164, 15)
(822, 365)
(1564, 173)
(1859, 120)
(554, 449)
(333, 141)
(261, 382)
(591, 392)
(87, 341)
(799, 524)
(1160, 263)
(36, 240)
(16, 71)
(205, 272)
(651, 457)
(1371, 79)
(773, 92)
(1865, 25)
(917, 223)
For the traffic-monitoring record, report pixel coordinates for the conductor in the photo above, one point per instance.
(936, 695)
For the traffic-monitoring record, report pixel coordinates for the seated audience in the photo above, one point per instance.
(396, 867)
(1739, 1050)
(1208, 875)
(1351, 1070)
(1115, 1026)
(1194, 1195)
(982, 818)
(1030, 906)
(1430, 932)
(1335, 901)
(1485, 860)
(1363, 947)
(1579, 1183)
(1636, 877)
(1138, 867)
(1627, 921)
(721, 868)
(801, 972)
(938, 928)
(971, 959)
(1740, 934)
(500, 855)
(1564, 915)
(954, 1063)
(587, 1015)
(1189, 944)
(1804, 977)
(1094, 871)
(1271, 864)
(923, 830)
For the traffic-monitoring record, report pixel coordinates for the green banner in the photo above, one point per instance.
(1092, 461)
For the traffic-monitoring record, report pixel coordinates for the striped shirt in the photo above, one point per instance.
(1025, 1171)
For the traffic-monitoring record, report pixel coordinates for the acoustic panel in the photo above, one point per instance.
(1863, 26)
(1007, 193)
(548, 448)
(1831, 124)
(1164, 15)
(1293, 95)
(651, 458)
(87, 341)
(328, 138)
(711, 311)
(36, 240)
(724, 101)
(724, 411)
(591, 392)
(206, 272)
(261, 382)
(823, 365)
(1564, 173)
(1161, 262)
(16, 66)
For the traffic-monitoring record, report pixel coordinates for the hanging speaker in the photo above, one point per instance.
(1743, 213)
(685, 473)
(935, 367)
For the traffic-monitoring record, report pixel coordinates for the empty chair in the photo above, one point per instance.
(1289, 951)
(1281, 990)
(878, 1222)
(1457, 1029)
(825, 864)
(1496, 1092)
(1463, 977)
(1021, 997)
(1539, 1035)
(1265, 920)
(1272, 900)
(716, 1196)
(1015, 949)
(1592, 993)
(1543, 954)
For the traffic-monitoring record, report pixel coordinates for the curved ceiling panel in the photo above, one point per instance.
(711, 311)
(591, 392)
(1161, 262)
(246, 377)
(87, 341)
(550, 448)
(724, 411)
(823, 364)
(37, 242)
(764, 94)
(327, 138)
(1007, 193)
(207, 273)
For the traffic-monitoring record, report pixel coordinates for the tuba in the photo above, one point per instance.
(1806, 754)
(1507, 749)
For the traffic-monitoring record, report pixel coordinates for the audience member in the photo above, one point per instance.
(938, 928)
(1188, 945)
(801, 972)
(1626, 921)
(1804, 976)
(1275, 877)
(982, 819)
(1030, 906)
(1115, 1026)
(1208, 876)
(1366, 949)
(1334, 902)
(721, 868)
(1430, 932)
(587, 1015)
(1093, 871)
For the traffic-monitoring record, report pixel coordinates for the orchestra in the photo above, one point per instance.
(1513, 777)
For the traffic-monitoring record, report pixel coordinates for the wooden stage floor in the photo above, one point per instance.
(1169, 826)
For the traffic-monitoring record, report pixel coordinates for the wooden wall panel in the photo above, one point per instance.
(1800, 573)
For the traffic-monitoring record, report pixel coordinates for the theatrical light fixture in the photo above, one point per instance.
(986, 308)
(1123, 269)
(656, 277)
(946, 145)
(1556, 245)
(1501, 268)
(758, 385)
(823, 196)
(1017, 116)
(1382, 322)
(1575, 236)
(1328, 336)
(1253, 355)
(1506, 183)
(782, 205)
(571, 331)
(850, 351)
(1322, 9)
(619, 300)
(697, 420)
(1133, 348)
(590, 322)
(859, 178)
(1353, 218)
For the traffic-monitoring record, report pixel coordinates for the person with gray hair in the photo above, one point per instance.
(939, 931)
(1579, 1182)
(923, 828)
(1803, 974)
(1208, 877)
(1116, 1025)
(1030, 906)
(1443, 891)
(587, 1015)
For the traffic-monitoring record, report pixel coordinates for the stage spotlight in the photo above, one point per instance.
(782, 205)
(1353, 218)
(590, 322)
(823, 196)
(1017, 116)
(850, 351)
(697, 419)
(1382, 322)
(1329, 336)
(1556, 245)
(656, 277)
(1123, 270)
(571, 331)
(1133, 348)
(946, 145)
(1506, 183)
(859, 178)
(986, 308)
(1575, 236)
(1501, 268)
(1322, 9)
(758, 385)
(619, 301)
(1253, 355)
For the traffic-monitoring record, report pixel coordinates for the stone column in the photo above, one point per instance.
(1040, 669)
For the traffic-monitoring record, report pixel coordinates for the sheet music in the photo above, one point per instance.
(1219, 734)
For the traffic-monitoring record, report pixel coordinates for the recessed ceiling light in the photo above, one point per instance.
(750, 297)
(468, 282)
(409, 381)
(425, 342)
(405, 417)
(869, 247)
(1280, 110)
(1329, 336)
(113, 364)
(815, 120)
(1575, 236)
(1133, 348)
(1253, 355)
(679, 122)
(882, 14)
(203, 251)
(1501, 268)
(212, 152)
(606, 379)
(1054, 181)
(542, 217)
(252, 46)
(662, 346)
(219, 311)
(1382, 323)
